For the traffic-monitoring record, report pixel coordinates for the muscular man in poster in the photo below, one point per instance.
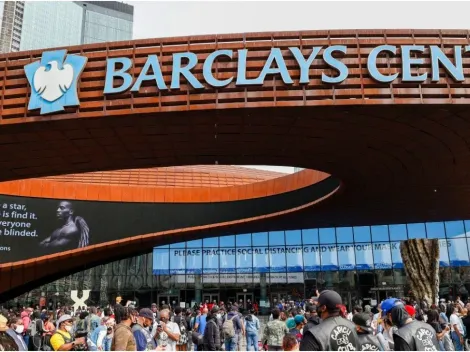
(74, 232)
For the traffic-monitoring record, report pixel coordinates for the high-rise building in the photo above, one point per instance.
(11, 19)
(28, 25)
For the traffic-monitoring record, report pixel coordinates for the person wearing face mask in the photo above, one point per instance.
(62, 339)
(15, 330)
(411, 335)
(102, 335)
(141, 330)
(168, 333)
(335, 333)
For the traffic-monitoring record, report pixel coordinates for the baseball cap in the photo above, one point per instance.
(63, 318)
(154, 305)
(363, 321)
(290, 323)
(330, 299)
(214, 310)
(299, 319)
(146, 313)
(411, 310)
(388, 304)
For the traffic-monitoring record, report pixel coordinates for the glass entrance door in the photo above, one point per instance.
(245, 300)
(210, 297)
(171, 301)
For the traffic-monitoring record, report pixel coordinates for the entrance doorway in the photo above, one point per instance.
(168, 300)
(277, 297)
(245, 300)
(210, 297)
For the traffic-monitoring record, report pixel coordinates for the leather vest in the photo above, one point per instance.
(419, 336)
(336, 334)
(369, 342)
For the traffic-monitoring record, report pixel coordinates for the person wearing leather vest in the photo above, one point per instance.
(334, 333)
(411, 335)
(365, 332)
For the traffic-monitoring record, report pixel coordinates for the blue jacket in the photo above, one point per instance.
(252, 326)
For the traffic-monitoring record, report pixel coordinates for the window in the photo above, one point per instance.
(276, 238)
(416, 231)
(327, 235)
(397, 232)
(444, 253)
(194, 244)
(227, 261)
(294, 237)
(379, 233)
(243, 240)
(294, 259)
(277, 259)
(194, 261)
(177, 261)
(310, 236)
(260, 239)
(346, 257)
(210, 264)
(382, 255)
(364, 256)
(211, 242)
(178, 245)
(227, 241)
(344, 234)
(454, 229)
(361, 233)
(397, 262)
(161, 261)
(435, 230)
(312, 258)
(260, 260)
(244, 260)
(458, 253)
(329, 258)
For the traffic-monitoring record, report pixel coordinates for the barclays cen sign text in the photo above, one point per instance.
(275, 64)
(54, 78)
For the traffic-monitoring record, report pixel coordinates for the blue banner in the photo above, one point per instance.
(295, 259)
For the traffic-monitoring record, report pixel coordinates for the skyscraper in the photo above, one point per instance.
(11, 19)
(31, 25)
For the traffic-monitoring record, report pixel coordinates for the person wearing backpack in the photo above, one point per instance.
(179, 319)
(211, 333)
(252, 327)
(232, 328)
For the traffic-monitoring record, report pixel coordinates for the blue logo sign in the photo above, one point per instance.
(53, 81)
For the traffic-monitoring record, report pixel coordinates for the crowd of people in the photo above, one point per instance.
(321, 323)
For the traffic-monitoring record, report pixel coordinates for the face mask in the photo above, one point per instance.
(19, 329)
(68, 328)
(219, 316)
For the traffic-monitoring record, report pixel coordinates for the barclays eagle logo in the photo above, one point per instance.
(53, 81)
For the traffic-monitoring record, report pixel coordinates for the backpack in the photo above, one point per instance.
(183, 340)
(33, 328)
(228, 328)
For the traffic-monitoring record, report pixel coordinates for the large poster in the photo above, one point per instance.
(34, 227)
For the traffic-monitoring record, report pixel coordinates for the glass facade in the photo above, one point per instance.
(44, 26)
(362, 263)
(100, 27)
(51, 24)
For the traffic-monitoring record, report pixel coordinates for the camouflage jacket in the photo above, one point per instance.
(274, 332)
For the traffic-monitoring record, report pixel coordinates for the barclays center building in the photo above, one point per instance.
(129, 183)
